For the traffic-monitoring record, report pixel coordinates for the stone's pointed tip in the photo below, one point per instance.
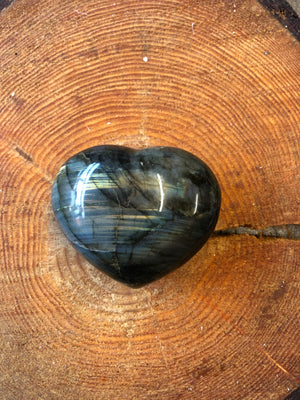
(136, 214)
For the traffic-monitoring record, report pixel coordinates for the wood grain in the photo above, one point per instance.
(219, 79)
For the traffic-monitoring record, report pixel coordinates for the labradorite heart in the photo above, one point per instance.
(136, 214)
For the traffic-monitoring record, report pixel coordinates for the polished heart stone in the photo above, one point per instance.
(136, 214)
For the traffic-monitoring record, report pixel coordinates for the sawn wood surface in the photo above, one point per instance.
(220, 79)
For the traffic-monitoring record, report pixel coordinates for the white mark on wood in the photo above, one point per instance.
(80, 12)
(145, 59)
(13, 93)
(193, 23)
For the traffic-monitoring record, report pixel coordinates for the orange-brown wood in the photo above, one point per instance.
(219, 79)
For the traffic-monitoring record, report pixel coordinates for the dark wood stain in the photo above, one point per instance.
(280, 292)
(23, 154)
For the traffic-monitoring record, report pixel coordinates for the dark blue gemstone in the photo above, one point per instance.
(136, 214)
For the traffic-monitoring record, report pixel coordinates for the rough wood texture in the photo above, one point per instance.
(219, 79)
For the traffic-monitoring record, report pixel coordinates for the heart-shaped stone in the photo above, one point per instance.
(136, 214)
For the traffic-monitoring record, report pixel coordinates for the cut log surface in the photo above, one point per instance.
(220, 79)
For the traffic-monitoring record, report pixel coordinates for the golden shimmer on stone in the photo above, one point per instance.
(136, 214)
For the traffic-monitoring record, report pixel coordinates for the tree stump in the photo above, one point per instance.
(219, 79)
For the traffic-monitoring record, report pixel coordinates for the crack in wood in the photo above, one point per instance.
(288, 231)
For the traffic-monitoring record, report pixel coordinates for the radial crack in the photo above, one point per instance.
(288, 231)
